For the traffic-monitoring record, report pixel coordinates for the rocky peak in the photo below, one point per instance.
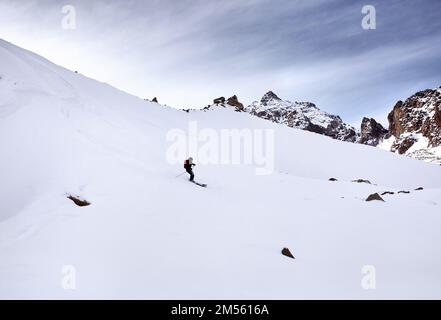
(372, 132)
(301, 115)
(234, 102)
(415, 126)
(220, 100)
(231, 101)
(420, 113)
(269, 96)
(418, 118)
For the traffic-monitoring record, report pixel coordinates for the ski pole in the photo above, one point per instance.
(180, 175)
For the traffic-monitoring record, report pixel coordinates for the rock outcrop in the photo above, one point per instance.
(78, 201)
(286, 252)
(372, 132)
(374, 197)
(231, 101)
(415, 126)
(220, 100)
(234, 102)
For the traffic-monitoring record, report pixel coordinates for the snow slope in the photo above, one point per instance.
(148, 234)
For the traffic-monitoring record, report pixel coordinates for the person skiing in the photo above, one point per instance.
(188, 165)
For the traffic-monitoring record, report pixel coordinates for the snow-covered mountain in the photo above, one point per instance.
(149, 233)
(415, 126)
(301, 115)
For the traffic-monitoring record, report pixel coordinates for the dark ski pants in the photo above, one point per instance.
(190, 172)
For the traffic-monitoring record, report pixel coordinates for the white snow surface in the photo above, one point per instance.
(148, 234)
(386, 144)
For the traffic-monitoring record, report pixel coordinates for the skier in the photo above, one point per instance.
(188, 165)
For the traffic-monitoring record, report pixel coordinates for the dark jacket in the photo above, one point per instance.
(188, 164)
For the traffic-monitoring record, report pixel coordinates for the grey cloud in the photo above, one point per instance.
(188, 51)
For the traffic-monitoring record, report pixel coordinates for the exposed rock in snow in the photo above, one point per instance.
(362, 181)
(301, 115)
(372, 132)
(374, 196)
(268, 97)
(231, 101)
(421, 113)
(416, 126)
(287, 252)
(78, 201)
(220, 100)
(429, 155)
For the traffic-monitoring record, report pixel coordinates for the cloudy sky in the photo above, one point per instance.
(187, 52)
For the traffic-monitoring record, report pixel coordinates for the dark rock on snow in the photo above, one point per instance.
(231, 101)
(361, 181)
(79, 202)
(220, 100)
(287, 253)
(234, 102)
(374, 196)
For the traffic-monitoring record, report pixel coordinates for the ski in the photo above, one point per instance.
(200, 184)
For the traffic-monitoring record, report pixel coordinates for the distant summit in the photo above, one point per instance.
(301, 115)
(269, 96)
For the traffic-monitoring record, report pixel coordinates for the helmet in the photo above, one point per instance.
(191, 159)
